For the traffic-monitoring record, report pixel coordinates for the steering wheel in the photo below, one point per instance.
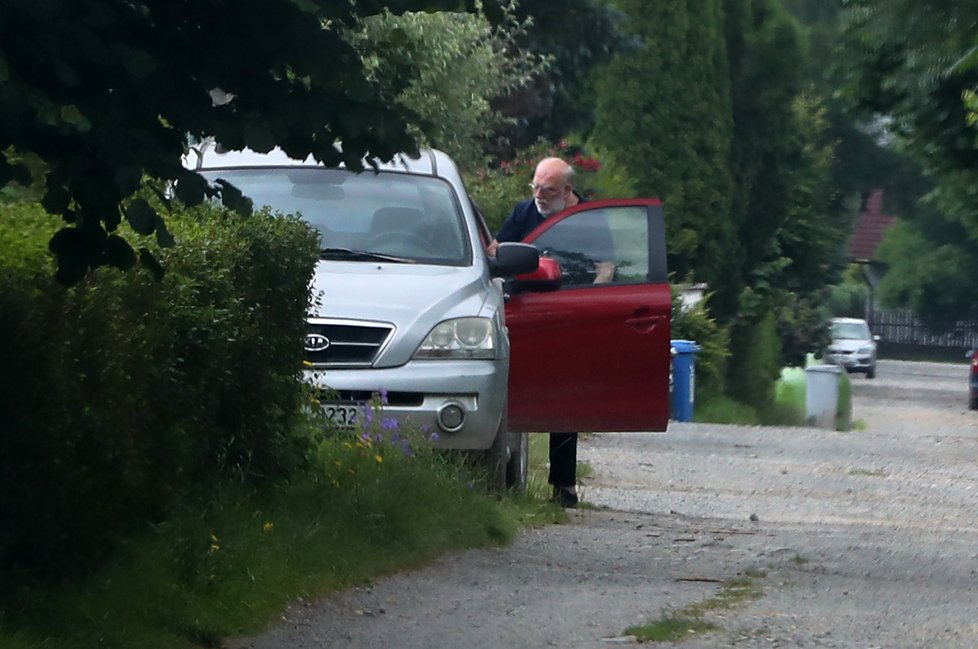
(398, 242)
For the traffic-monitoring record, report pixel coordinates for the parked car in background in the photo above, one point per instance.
(853, 347)
(973, 379)
(407, 302)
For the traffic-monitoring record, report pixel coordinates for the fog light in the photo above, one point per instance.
(451, 417)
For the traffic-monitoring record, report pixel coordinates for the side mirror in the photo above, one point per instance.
(547, 277)
(514, 259)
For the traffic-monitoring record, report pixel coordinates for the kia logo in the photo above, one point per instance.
(316, 342)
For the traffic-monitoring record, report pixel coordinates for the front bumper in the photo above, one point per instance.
(853, 362)
(419, 392)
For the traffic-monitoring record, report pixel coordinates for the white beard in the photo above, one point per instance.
(551, 206)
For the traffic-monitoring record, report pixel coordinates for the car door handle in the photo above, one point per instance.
(645, 320)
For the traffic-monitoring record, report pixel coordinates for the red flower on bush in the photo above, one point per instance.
(586, 163)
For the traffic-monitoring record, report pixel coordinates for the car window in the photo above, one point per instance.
(850, 331)
(584, 241)
(413, 217)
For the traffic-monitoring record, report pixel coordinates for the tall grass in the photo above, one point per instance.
(226, 563)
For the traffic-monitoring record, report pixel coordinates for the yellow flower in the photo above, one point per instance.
(215, 547)
(267, 527)
(379, 458)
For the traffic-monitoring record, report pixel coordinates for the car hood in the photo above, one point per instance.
(391, 292)
(411, 297)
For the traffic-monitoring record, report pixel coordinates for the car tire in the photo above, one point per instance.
(518, 467)
(496, 459)
(871, 372)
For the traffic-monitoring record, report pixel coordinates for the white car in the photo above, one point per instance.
(853, 347)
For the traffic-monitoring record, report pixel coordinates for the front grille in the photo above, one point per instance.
(349, 343)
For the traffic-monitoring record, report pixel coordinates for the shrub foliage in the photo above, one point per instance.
(122, 392)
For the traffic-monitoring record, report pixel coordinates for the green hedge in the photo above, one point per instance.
(755, 365)
(122, 393)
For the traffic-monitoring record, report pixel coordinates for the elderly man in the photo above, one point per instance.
(553, 192)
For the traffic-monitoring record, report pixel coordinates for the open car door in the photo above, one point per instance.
(590, 356)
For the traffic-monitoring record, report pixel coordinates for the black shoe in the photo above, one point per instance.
(565, 497)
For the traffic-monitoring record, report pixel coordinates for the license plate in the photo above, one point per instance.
(344, 415)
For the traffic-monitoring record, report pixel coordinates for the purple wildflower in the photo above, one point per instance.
(368, 417)
(389, 423)
(383, 396)
(406, 448)
(434, 437)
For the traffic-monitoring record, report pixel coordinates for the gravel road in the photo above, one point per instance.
(858, 540)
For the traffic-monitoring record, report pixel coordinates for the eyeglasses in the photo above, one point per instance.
(543, 190)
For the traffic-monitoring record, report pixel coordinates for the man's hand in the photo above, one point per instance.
(604, 272)
(491, 248)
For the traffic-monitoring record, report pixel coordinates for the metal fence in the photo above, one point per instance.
(902, 327)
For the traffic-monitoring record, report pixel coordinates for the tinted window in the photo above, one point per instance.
(415, 217)
(582, 242)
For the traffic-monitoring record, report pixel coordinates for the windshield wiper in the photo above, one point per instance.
(362, 255)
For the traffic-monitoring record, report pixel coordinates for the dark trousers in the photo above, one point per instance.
(563, 459)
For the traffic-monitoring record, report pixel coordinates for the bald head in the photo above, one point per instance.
(553, 184)
(554, 170)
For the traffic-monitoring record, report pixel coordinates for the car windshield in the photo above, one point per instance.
(850, 331)
(368, 216)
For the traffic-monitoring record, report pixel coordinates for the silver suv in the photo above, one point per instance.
(406, 300)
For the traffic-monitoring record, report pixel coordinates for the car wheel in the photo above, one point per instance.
(518, 466)
(871, 372)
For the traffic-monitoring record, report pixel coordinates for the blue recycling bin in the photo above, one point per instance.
(683, 378)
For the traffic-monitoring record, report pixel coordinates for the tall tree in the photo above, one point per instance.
(106, 93)
(575, 36)
(780, 157)
(916, 64)
(664, 113)
(455, 65)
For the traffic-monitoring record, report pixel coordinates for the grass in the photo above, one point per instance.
(787, 409)
(229, 564)
(675, 627)
(721, 409)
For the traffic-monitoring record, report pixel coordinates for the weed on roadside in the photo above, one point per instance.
(691, 619)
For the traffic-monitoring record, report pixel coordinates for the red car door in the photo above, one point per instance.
(594, 356)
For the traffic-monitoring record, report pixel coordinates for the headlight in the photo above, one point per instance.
(460, 338)
(866, 351)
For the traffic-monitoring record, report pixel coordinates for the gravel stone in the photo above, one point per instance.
(857, 540)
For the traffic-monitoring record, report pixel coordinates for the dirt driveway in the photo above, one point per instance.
(866, 539)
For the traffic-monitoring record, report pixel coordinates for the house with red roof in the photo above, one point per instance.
(871, 225)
